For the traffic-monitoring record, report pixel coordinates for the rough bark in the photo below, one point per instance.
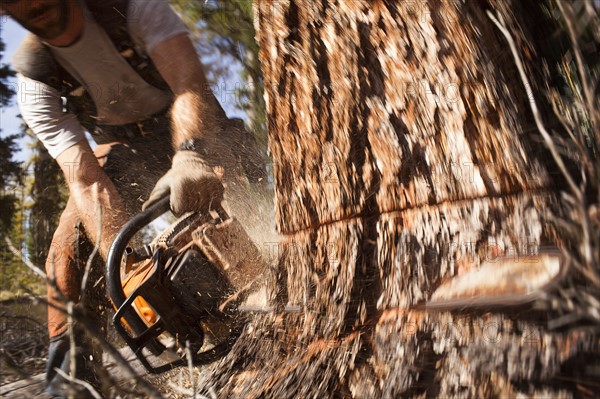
(405, 153)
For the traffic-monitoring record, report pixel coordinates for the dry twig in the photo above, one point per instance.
(79, 316)
(90, 260)
(577, 304)
(84, 384)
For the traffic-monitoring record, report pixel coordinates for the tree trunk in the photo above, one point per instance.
(405, 154)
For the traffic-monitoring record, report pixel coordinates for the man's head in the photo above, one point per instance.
(46, 19)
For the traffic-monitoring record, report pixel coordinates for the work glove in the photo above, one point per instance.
(191, 183)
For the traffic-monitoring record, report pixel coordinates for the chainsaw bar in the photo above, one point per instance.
(503, 282)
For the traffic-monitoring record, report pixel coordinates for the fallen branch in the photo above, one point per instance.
(84, 384)
(81, 318)
(90, 260)
(23, 259)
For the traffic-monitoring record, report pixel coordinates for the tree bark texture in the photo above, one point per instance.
(405, 154)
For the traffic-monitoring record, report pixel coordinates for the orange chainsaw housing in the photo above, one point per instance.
(191, 278)
(133, 280)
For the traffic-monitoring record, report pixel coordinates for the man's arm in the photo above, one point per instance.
(93, 191)
(195, 111)
(191, 181)
(63, 136)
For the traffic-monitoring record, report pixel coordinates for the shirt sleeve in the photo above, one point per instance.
(152, 22)
(42, 110)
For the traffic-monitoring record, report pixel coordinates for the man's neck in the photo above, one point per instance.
(74, 27)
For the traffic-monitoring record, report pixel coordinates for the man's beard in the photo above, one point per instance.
(52, 28)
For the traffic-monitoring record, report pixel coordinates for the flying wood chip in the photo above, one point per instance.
(228, 246)
(507, 281)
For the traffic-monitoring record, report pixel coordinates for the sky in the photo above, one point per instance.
(12, 35)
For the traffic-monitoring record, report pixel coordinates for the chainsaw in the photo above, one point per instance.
(177, 298)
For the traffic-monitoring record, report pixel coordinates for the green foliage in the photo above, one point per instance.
(15, 278)
(6, 91)
(10, 177)
(47, 194)
(224, 33)
(10, 171)
(30, 215)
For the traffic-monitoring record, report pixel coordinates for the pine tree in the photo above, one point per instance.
(6, 92)
(15, 278)
(10, 173)
(407, 154)
(9, 170)
(47, 195)
(224, 32)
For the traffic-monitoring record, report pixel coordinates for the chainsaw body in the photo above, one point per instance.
(188, 282)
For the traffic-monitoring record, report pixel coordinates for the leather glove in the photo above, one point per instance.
(191, 182)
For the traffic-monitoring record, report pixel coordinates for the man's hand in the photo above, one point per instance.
(191, 182)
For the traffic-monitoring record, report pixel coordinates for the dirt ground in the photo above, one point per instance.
(23, 339)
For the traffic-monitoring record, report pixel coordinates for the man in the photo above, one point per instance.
(125, 71)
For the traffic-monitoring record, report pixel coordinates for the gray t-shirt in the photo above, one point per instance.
(120, 94)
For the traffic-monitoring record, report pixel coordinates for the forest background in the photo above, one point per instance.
(32, 189)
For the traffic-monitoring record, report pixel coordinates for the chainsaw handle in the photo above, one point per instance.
(141, 335)
(117, 249)
(119, 245)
